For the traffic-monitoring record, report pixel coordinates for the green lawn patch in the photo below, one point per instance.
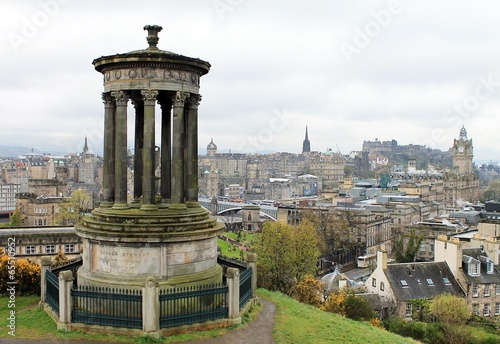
(300, 323)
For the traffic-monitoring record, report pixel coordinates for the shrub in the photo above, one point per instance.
(346, 303)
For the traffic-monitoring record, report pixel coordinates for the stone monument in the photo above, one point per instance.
(164, 233)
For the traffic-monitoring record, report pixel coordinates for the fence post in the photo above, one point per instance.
(233, 286)
(46, 261)
(150, 308)
(252, 263)
(65, 301)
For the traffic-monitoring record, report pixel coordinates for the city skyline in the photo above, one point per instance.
(350, 72)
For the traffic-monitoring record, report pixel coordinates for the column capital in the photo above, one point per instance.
(179, 98)
(121, 97)
(194, 101)
(108, 100)
(149, 96)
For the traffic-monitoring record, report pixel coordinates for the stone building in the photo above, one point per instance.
(33, 243)
(475, 265)
(462, 183)
(87, 166)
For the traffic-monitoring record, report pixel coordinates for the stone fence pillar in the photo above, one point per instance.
(151, 307)
(233, 284)
(46, 262)
(65, 301)
(252, 263)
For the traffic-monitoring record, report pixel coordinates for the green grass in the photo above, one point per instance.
(224, 249)
(246, 238)
(300, 323)
(34, 323)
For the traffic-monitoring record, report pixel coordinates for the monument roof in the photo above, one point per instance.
(150, 54)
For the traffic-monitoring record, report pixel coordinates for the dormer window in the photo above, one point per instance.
(490, 267)
(474, 269)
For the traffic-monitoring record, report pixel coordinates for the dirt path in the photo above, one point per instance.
(259, 331)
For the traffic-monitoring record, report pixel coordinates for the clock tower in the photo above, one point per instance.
(462, 153)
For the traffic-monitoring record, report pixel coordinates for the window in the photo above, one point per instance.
(431, 247)
(430, 281)
(486, 310)
(487, 290)
(404, 283)
(490, 267)
(497, 289)
(475, 308)
(30, 249)
(50, 249)
(40, 222)
(446, 281)
(382, 286)
(497, 308)
(409, 309)
(69, 248)
(475, 290)
(474, 269)
(374, 282)
(422, 247)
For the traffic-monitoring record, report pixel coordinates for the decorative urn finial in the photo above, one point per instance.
(153, 35)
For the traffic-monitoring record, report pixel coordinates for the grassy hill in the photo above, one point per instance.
(295, 323)
(300, 323)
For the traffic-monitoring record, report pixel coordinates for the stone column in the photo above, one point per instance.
(65, 302)
(138, 148)
(109, 151)
(191, 170)
(166, 148)
(233, 300)
(178, 141)
(150, 307)
(252, 264)
(45, 262)
(120, 158)
(148, 154)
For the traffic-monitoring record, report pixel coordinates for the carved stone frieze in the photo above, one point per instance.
(152, 73)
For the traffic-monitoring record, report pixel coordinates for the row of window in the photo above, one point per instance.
(40, 222)
(68, 248)
(486, 309)
(486, 290)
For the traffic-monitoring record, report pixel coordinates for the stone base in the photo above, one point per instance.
(211, 276)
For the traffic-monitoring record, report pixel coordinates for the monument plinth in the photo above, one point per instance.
(163, 233)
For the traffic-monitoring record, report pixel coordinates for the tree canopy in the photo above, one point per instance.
(286, 254)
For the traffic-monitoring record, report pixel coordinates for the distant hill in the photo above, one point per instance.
(14, 151)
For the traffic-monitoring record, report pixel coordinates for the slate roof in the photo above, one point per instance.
(411, 281)
(470, 255)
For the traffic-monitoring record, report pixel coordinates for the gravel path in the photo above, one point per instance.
(258, 331)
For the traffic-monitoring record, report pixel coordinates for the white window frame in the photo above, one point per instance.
(486, 310)
(487, 290)
(30, 249)
(475, 290)
(497, 308)
(497, 289)
(69, 248)
(51, 249)
(474, 269)
(409, 309)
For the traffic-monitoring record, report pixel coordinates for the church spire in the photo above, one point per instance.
(306, 145)
(85, 146)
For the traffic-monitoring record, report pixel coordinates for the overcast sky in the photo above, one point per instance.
(413, 71)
